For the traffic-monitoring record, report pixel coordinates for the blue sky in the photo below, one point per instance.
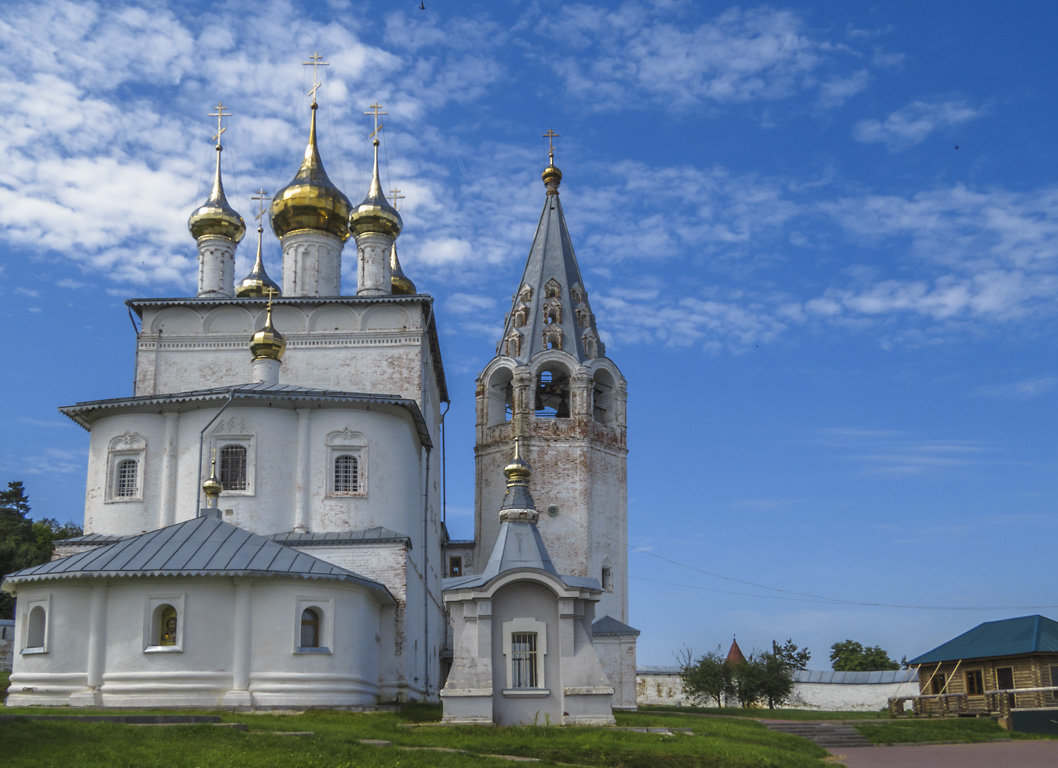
(821, 241)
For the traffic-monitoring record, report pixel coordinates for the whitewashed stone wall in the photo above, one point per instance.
(813, 689)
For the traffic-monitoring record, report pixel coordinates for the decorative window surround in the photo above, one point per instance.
(37, 623)
(233, 432)
(152, 618)
(324, 608)
(125, 480)
(354, 445)
(538, 629)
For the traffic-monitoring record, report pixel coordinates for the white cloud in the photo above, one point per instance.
(914, 123)
(630, 55)
(1018, 390)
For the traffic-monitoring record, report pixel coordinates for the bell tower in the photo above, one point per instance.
(552, 388)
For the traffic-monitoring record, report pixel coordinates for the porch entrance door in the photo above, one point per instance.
(1005, 682)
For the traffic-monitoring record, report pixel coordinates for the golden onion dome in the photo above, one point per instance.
(518, 471)
(212, 487)
(215, 216)
(311, 201)
(267, 342)
(552, 177)
(400, 283)
(375, 214)
(257, 284)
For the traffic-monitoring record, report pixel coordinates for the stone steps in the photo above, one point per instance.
(829, 735)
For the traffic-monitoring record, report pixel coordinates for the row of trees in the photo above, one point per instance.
(24, 542)
(767, 678)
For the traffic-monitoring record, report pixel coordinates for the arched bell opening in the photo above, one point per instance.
(552, 392)
(603, 398)
(500, 395)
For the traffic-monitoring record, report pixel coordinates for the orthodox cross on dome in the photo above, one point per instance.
(376, 110)
(260, 197)
(397, 197)
(315, 61)
(551, 136)
(220, 114)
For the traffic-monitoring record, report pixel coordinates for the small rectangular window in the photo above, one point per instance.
(937, 686)
(125, 482)
(974, 683)
(233, 467)
(607, 578)
(523, 660)
(455, 565)
(346, 474)
(1054, 678)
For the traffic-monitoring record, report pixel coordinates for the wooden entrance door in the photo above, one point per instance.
(1005, 682)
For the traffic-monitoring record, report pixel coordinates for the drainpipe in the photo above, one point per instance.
(425, 572)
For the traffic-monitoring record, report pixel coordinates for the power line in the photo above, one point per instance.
(810, 596)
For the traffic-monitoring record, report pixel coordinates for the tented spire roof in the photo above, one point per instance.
(550, 307)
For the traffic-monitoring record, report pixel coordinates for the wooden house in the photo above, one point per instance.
(993, 668)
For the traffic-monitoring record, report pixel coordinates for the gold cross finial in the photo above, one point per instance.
(551, 136)
(397, 197)
(315, 61)
(220, 114)
(260, 197)
(376, 110)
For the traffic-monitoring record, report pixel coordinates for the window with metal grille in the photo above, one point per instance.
(523, 660)
(233, 467)
(346, 474)
(310, 628)
(125, 479)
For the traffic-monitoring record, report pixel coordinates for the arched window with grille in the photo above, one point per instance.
(233, 467)
(125, 457)
(347, 465)
(346, 474)
(126, 479)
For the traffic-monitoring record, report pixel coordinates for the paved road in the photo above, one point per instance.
(1006, 754)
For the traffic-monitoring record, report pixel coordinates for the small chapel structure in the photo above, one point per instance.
(263, 516)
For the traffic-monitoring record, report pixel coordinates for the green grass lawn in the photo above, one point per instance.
(961, 729)
(774, 714)
(335, 743)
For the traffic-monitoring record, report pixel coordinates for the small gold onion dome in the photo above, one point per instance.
(257, 284)
(215, 216)
(518, 471)
(311, 201)
(400, 283)
(212, 486)
(552, 176)
(267, 342)
(375, 214)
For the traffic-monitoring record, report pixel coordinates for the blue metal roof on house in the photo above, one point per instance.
(1006, 637)
(201, 546)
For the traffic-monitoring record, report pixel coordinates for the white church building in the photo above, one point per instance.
(263, 521)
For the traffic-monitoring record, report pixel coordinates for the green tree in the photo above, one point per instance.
(709, 677)
(24, 542)
(789, 653)
(851, 656)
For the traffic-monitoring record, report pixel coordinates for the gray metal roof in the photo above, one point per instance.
(376, 535)
(608, 625)
(93, 539)
(518, 547)
(550, 257)
(201, 546)
(85, 412)
(138, 305)
(877, 677)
